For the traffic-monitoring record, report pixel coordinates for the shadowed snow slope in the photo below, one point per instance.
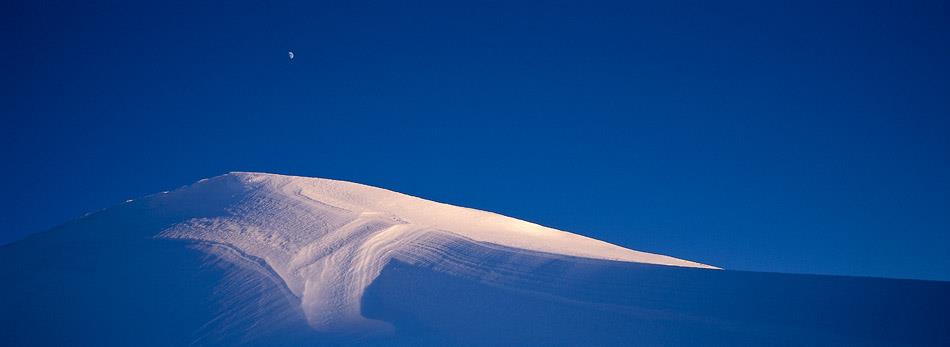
(249, 258)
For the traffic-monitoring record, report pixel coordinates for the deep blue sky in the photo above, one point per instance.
(791, 137)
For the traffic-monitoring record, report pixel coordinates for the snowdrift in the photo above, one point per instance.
(261, 259)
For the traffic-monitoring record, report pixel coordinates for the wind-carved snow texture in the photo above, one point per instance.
(328, 240)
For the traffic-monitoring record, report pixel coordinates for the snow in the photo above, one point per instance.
(328, 239)
(270, 260)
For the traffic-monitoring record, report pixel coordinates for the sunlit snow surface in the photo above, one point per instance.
(263, 259)
(327, 240)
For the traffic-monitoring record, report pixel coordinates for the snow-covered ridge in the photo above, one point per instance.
(328, 239)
